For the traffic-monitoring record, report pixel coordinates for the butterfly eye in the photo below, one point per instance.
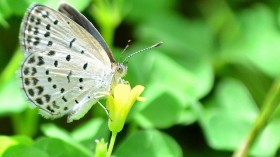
(119, 69)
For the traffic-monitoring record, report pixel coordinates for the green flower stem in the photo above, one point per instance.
(270, 104)
(112, 142)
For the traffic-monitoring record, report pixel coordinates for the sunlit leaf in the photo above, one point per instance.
(149, 143)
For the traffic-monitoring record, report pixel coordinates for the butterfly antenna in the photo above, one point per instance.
(127, 45)
(150, 47)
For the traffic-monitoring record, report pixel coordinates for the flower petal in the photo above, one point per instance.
(121, 93)
(135, 93)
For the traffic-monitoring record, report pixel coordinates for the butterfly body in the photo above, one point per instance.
(67, 65)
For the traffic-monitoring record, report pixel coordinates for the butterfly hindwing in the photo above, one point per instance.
(59, 88)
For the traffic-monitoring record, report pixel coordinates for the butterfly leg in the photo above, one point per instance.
(104, 109)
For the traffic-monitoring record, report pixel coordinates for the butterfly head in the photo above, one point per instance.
(120, 69)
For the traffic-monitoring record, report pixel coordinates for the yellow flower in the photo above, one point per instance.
(120, 103)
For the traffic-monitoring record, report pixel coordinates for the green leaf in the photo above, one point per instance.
(56, 147)
(7, 142)
(182, 38)
(11, 96)
(258, 45)
(263, 41)
(230, 116)
(98, 128)
(171, 95)
(5, 12)
(150, 143)
(18, 9)
(24, 151)
(162, 109)
(54, 131)
(162, 112)
(91, 130)
(3, 22)
(152, 9)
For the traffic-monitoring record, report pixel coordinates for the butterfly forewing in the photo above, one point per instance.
(44, 27)
(65, 68)
(84, 22)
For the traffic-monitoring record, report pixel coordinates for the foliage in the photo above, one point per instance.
(209, 87)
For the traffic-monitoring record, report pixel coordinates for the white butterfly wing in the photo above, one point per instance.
(43, 28)
(65, 69)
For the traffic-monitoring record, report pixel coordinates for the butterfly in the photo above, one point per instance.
(67, 64)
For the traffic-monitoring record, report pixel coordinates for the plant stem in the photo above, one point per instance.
(271, 102)
(112, 142)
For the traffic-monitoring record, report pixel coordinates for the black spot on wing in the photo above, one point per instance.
(38, 21)
(55, 22)
(35, 81)
(85, 66)
(28, 39)
(68, 76)
(40, 61)
(36, 30)
(30, 92)
(32, 18)
(71, 42)
(54, 105)
(49, 79)
(50, 109)
(26, 81)
(29, 28)
(50, 43)
(47, 98)
(55, 63)
(26, 71)
(47, 34)
(51, 53)
(37, 41)
(40, 90)
(31, 60)
(34, 71)
(68, 57)
(39, 101)
(64, 99)
(48, 26)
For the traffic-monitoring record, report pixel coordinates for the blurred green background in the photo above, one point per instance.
(205, 86)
